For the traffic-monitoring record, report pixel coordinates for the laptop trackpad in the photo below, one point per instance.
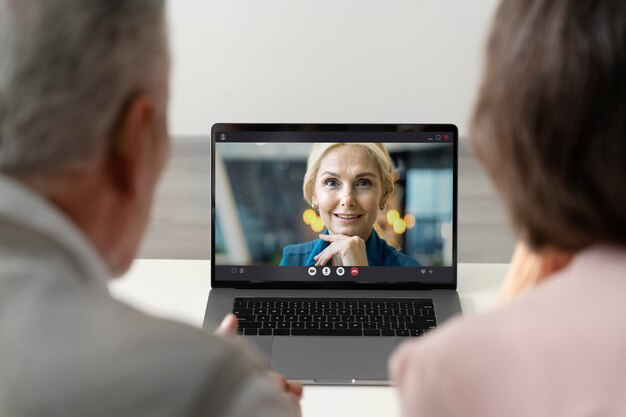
(329, 360)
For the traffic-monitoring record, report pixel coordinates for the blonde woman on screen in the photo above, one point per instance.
(348, 184)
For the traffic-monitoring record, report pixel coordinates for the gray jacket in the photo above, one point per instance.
(68, 349)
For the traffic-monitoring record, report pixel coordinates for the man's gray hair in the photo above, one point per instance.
(67, 69)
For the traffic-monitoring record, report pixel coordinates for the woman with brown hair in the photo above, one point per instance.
(550, 128)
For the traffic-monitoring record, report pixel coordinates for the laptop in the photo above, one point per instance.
(327, 270)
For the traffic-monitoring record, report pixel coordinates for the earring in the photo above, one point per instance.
(383, 207)
(315, 206)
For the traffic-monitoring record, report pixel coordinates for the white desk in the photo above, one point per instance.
(178, 289)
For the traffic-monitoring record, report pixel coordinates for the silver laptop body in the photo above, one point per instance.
(293, 315)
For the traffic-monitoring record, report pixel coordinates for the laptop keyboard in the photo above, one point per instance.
(334, 317)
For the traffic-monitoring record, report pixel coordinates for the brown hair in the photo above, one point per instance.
(550, 121)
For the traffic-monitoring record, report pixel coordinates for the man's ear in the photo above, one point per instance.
(130, 141)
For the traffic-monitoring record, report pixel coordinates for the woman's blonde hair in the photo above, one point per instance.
(377, 151)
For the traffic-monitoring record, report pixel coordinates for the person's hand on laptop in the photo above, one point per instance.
(228, 328)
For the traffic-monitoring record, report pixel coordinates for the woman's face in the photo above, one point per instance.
(348, 190)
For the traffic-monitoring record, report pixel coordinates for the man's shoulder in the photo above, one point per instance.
(120, 333)
(70, 340)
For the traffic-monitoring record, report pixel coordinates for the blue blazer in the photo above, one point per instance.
(379, 253)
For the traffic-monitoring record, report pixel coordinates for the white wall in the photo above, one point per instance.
(327, 61)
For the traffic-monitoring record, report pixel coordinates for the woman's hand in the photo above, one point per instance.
(342, 251)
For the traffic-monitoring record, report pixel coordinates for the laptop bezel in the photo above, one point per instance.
(356, 127)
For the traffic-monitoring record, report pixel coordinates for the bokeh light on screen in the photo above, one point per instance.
(317, 225)
(392, 216)
(398, 223)
(399, 226)
(409, 219)
(308, 216)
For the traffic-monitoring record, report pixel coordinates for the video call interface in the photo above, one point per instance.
(275, 219)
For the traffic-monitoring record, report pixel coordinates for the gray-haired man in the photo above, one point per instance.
(83, 139)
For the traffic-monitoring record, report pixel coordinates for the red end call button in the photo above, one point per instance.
(354, 271)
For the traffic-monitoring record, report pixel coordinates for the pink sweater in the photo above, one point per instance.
(558, 350)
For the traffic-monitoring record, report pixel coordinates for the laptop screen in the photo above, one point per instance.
(334, 206)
